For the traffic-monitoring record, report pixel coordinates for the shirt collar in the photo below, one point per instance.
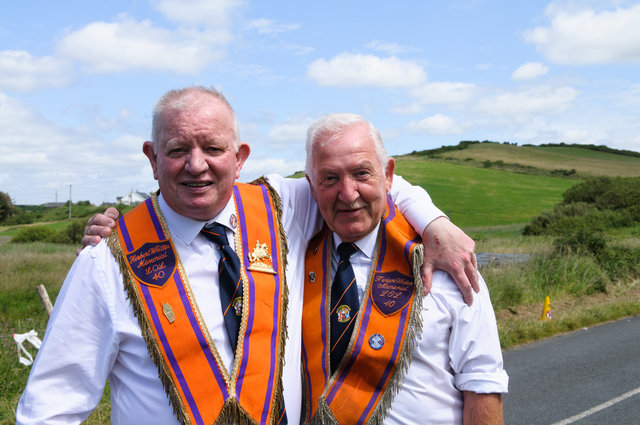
(366, 244)
(186, 229)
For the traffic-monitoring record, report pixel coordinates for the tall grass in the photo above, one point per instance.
(23, 268)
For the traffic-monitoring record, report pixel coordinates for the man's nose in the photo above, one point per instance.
(197, 162)
(348, 190)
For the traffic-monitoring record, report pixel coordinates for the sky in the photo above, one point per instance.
(78, 79)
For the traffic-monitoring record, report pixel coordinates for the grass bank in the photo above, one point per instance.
(517, 291)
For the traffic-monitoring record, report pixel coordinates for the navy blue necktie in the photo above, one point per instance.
(230, 282)
(344, 304)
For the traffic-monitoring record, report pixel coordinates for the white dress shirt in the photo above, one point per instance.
(93, 335)
(459, 349)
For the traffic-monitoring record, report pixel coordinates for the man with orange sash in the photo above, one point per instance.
(375, 350)
(143, 308)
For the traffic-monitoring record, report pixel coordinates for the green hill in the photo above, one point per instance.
(487, 184)
(473, 196)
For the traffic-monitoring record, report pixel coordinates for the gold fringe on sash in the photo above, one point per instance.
(414, 330)
(145, 327)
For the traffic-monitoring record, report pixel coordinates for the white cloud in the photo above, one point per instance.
(260, 166)
(206, 13)
(270, 27)
(390, 48)
(436, 124)
(529, 71)
(348, 70)
(22, 72)
(127, 44)
(535, 100)
(588, 36)
(38, 159)
(407, 109)
(444, 93)
(292, 130)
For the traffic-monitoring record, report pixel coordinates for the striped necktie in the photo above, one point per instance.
(229, 281)
(344, 304)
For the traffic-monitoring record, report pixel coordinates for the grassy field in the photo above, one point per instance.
(584, 161)
(473, 196)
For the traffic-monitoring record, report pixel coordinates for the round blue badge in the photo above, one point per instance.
(376, 341)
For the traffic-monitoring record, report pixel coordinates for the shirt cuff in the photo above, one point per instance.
(483, 382)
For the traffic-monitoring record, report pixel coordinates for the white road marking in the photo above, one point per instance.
(598, 407)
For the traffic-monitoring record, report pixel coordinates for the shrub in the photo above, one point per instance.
(32, 234)
(581, 240)
(620, 262)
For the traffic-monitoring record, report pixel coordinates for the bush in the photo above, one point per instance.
(32, 234)
(619, 262)
(72, 234)
(582, 240)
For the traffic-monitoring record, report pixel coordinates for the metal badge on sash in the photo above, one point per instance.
(260, 259)
(376, 341)
(168, 312)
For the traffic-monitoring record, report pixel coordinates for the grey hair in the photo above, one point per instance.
(330, 127)
(182, 99)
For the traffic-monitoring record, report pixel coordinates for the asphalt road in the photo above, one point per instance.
(591, 376)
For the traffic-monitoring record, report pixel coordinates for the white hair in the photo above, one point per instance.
(330, 127)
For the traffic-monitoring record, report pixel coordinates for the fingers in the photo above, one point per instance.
(90, 240)
(427, 277)
(97, 221)
(465, 288)
(471, 270)
(112, 213)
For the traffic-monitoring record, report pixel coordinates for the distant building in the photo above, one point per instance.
(54, 204)
(133, 198)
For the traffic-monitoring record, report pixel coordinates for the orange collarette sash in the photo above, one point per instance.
(385, 332)
(195, 379)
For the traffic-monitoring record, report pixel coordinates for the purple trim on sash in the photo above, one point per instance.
(305, 361)
(125, 234)
(251, 317)
(200, 336)
(158, 325)
(323, 304)
(387, 371)
(170, 356)
(155, 220)
(251, 295)
(276, 303)
(383, 241)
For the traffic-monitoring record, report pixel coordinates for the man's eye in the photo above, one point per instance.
(175, 151)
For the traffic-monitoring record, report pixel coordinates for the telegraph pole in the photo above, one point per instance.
(69, 202)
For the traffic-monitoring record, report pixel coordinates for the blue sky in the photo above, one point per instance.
(78, 80)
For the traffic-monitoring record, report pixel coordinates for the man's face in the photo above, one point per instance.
(196, 162)
(348, 183)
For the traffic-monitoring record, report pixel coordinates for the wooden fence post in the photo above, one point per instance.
(42, 291)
